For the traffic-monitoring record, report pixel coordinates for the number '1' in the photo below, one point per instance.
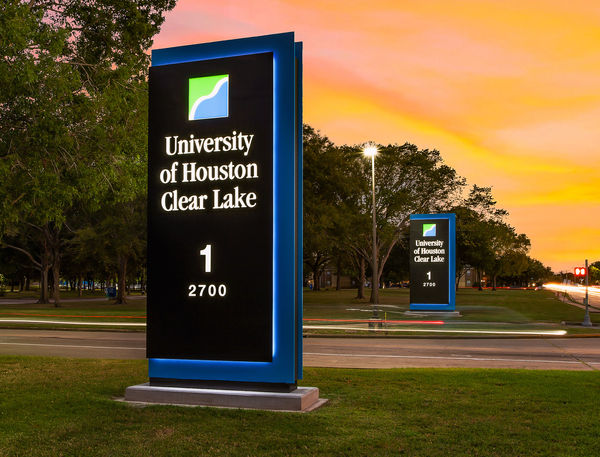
(206, 252)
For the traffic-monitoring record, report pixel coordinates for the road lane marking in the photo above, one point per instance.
(478, 359)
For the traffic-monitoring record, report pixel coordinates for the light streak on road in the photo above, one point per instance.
(470, 358)
(593, 291)
(364, 321)
(40, 321)
(310, 327)
(77, 346)
(71, 315)
(482, 332)
(577, 293)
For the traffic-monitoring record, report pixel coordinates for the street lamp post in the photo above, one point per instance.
(371, 150)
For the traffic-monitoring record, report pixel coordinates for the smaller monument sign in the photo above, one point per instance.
(432, 262)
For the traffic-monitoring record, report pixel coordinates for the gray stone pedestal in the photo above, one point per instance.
(302, 399)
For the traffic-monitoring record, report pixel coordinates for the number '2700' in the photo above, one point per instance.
(207, 290)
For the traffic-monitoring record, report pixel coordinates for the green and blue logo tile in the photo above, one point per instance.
(208, 97)
(429, 229)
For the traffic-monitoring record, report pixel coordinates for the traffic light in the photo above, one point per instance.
(580, 271)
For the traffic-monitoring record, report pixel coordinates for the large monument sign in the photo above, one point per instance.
(432, 262)
(224, 213)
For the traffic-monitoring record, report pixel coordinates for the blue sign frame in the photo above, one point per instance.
(451, 305)
(286, 364)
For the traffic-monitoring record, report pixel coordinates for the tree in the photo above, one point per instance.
(535, 272)
(323, 188)
(408, 181)
(594, 272)
(36, 92)
(476, 219)
(508, 251)
(397, 268)
(115, 240)
(29, 246)
(66, 67)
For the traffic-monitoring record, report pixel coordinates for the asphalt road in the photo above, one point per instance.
(577, 293)
(538, 353)
(593, 295)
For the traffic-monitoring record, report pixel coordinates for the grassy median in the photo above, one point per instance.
(64, 407)
(75, 311)
(518, 306)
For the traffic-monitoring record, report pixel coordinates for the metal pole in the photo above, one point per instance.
(374, 282)
(587, 322)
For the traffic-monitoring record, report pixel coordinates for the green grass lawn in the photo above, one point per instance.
(64, 407)
(34, 293)
(517, 306)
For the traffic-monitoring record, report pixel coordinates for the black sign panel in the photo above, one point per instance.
(429, 261)
(210, 207)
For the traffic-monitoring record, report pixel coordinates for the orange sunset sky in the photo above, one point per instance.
(507, 90)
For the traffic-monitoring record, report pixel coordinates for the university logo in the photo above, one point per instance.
(428, 229)
(209, 97)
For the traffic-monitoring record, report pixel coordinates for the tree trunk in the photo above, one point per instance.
(338, 279)
(459, 275)
(44, 297)
(44, 269)
(56, 279)
(494, 282)
(362, 276)
(479, 279)
(317, 263)
(316, 278)
(79, 284)
(122, 278)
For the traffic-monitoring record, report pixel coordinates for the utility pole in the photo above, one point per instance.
(587, 322)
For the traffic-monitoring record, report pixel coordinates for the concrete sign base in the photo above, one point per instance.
(433, 313)
(302, 399)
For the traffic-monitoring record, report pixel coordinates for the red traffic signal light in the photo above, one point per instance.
(580, 271)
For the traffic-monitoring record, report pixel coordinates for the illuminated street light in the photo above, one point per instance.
(370, 150)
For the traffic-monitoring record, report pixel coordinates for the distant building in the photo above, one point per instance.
(328, 280)
(468, 278)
